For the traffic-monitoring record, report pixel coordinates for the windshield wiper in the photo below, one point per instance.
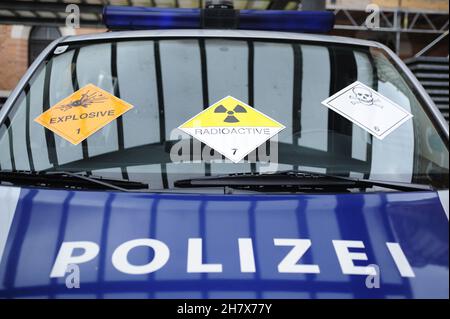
(68, 180)
(295, 180)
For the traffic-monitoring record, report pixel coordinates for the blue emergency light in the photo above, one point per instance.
(144, 18)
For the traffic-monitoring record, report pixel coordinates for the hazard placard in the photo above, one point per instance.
(232, 128)
(368, 109)
(83, 113)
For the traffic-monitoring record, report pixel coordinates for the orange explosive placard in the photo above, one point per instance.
(83, 113)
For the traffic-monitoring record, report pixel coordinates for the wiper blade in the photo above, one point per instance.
(117, 184)
(68, 180)
(300, 180)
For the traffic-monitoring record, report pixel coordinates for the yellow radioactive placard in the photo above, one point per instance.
(232, 128)
(230, 112)
(83, 113)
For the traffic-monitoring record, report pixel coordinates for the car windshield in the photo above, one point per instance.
(170, 80)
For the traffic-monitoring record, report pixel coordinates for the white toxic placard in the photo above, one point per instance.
(232, 128)
(368, 109)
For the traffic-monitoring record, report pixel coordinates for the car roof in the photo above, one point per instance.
(220, 33)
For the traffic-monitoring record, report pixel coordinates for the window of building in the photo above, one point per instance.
(40, 37)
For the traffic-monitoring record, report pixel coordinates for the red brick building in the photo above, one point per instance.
(20, 44)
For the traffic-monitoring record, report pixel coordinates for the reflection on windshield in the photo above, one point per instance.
(169, 81)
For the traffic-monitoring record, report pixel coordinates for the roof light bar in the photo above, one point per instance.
(283, 20)
(142, 18)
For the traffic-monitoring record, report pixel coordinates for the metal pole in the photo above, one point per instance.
(397, 31)
(430, 45)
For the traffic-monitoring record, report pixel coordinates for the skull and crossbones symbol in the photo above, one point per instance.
(361, 95)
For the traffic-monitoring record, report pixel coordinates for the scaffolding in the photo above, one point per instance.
(396, 21)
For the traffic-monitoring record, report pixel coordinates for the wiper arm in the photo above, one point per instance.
(68, 180)
(300, 180)
(401, 186)
(117, 184)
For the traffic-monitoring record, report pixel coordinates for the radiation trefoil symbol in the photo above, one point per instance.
(232, 128)
(231, 118)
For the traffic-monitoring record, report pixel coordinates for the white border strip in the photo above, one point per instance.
(9, 197)
(443, 197)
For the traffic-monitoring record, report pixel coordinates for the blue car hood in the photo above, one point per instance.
(59, 244)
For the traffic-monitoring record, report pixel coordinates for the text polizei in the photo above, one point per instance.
(292, 262)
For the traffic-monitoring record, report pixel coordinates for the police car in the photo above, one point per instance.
(219, 153)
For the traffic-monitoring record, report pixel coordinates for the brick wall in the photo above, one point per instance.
(13, 58)
(14, 53)
(405, 4)
(441, 5)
